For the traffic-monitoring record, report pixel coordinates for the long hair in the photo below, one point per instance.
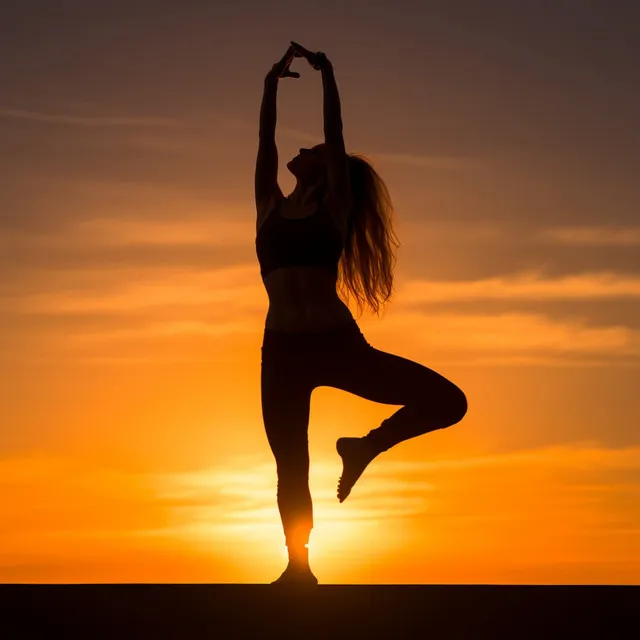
(366, 266)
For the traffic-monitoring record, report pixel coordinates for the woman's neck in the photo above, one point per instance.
(304, 193)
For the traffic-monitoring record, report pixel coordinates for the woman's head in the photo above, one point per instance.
(309, 166)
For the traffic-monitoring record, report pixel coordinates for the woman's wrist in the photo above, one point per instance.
(271, 78)
(321, 61)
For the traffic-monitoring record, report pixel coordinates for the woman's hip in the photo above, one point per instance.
(335, 338)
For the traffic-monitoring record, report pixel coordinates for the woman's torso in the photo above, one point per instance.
(302, 298)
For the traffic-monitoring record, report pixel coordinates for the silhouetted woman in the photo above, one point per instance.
(333, 231)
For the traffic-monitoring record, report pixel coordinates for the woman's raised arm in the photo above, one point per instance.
(266, 173)
(337, 159)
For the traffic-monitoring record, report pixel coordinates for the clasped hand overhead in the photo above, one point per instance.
(281, 68)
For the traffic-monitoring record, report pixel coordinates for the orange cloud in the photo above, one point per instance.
(506, 332)
(593, 236)
(239, 286)
(526, 286)
(105, 231)
(108, 121)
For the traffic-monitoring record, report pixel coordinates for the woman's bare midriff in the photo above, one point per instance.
(304, 299)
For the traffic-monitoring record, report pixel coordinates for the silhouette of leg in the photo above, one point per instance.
(286, 401)
(430, 402)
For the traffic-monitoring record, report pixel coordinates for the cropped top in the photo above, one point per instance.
(310, 241)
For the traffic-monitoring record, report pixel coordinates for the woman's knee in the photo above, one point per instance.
(457, 405)
(450, 406)
(443, 409)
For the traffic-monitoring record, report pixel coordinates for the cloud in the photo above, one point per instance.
(234, 496)
(182, 304)
(156, 323)
(214, 231)
(239, 287)
(90, 121)
(49, 492)
(430, 162)
(579, 456)
(436, 492)
(525, 286)
(171, 226)
(162, 332)
(593, 236)
(513, 334)
(402, 159)
(209, 117)
(435, 233)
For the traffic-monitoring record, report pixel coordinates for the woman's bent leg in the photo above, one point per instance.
(430, 400)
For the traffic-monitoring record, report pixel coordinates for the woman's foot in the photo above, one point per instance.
(356, 454)
(296, 575)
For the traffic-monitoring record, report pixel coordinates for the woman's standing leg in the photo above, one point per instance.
(430, 402)
(286, 397)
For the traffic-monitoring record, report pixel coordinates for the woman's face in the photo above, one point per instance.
(309, 165)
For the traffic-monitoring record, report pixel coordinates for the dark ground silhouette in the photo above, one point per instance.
(325, 611)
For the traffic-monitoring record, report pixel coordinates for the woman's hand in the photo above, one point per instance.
(281, 68)
(316, 60)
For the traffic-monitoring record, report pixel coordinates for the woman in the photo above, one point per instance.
(333, 231)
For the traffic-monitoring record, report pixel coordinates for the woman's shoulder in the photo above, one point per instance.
(267, 212)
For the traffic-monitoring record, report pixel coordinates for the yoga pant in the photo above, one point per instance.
(295, 363)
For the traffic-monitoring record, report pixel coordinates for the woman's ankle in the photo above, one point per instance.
(298, 556)
(374, 441)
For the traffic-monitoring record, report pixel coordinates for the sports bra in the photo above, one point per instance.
(310, 241)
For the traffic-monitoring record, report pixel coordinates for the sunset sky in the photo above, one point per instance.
(132, 447)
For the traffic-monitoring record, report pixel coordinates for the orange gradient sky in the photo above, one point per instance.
(132, 446)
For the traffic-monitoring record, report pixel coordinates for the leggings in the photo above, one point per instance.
(294, 363)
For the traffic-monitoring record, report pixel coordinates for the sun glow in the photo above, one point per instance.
(245, 523)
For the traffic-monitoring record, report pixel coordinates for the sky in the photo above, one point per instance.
(132, 447)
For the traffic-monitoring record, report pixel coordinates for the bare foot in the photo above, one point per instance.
(356, 454)
(293, 575)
